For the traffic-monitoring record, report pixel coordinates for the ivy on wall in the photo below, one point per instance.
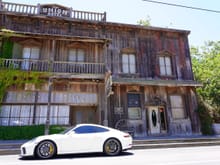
(18, 78)
(7, 47)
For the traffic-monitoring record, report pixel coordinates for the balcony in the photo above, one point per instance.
(68, 68)
(53, 10)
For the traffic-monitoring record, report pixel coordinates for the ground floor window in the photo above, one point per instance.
(134, 106)
(29, 115)
(177, 107)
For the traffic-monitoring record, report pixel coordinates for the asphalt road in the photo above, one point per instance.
(171, 156)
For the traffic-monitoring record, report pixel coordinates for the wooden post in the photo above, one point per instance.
(50, 82)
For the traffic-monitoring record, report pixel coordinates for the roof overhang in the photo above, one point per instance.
(151, 82)
(9, 33)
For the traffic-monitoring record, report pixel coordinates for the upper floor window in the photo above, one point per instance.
(177, 107)
(31, 53)
(128, 63)
(76, 55)
(165, 65)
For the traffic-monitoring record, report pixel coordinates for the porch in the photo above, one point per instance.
(54, 66)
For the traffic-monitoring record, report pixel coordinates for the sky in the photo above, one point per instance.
(204, 26)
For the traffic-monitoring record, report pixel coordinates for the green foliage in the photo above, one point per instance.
(205, 119)
(206, 68)
(10, 77)
(144, 22)
(26, 132)
(7, 49)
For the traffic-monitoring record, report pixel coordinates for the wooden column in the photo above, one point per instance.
(50, 82)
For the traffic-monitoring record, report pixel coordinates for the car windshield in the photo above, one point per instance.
(67, 130)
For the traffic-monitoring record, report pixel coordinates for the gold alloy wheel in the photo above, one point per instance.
(112, 147)
(46, 149)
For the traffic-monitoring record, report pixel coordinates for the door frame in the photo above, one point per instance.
(160, 120)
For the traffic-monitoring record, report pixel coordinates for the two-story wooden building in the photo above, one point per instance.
(130, 77)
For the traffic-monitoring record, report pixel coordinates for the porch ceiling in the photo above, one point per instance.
(9, 33)
(143, 82)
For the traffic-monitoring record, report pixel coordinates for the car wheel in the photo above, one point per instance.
(45, 149)
(112, 147)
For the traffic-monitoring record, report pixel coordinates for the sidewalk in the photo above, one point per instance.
(9, 147)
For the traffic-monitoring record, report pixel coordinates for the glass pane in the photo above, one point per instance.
(26, 115)
(167, 61)
(80, 55)
(4, 115)
(63, 115)
(26, 53)
(162, 70)
(41, 114)
(161, 61)
(178, 113)
(15, 115)
(132, 63)
(176, 101)
(35, 53)
(168, 69)
(125, 63)
(72, 55)
(53, 115)
(132, 59)
(132, 69)
(134, 113)
(177, 107)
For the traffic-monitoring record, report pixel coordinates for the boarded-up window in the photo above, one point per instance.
(165, 66)
(177, 106)
(128, 63)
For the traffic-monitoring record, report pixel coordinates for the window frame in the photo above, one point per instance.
(175, 110)
(166, 67)
(134, 106)
(131, 66)
(30, 51)
(77, 55)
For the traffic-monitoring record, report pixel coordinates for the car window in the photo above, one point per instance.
(89, 129)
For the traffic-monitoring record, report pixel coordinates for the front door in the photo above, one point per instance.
(154, 120)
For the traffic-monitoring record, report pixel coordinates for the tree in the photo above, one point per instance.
(144, 22)
(206, 69)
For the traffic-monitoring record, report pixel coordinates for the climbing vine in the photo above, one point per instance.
(18, 78)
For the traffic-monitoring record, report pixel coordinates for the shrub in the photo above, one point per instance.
(205, 119)
(25, 132)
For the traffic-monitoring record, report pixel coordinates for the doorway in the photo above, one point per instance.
(156, 119)
(83, 114)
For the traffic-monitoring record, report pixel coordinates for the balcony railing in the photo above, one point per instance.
(52, 10)
(55, 66)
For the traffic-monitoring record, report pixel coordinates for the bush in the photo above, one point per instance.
(25, 132)
(205, 119)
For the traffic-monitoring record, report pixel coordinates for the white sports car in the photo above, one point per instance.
(82, 138)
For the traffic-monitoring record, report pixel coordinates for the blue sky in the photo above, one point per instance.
(204, 26)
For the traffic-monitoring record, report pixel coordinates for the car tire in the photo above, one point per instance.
(112, 147)
(45, 149)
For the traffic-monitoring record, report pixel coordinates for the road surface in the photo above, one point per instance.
(171, 156)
